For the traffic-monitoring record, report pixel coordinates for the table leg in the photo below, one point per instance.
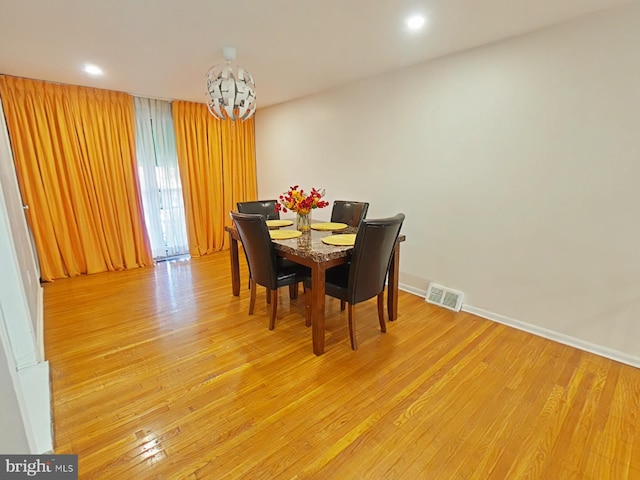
(235, 265)
(392, 286)
(317, 308)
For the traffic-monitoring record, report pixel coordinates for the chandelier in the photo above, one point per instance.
(230, 95)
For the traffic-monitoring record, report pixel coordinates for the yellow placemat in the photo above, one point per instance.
(279, 223)
(284, 234)
(329, 226)
(344, 240)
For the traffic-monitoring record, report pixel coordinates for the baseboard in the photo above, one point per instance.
(35, 393)
(540, 331)
(408, 288)
(555, 336)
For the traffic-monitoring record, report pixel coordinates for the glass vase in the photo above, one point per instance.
(303, 222)
(304, 241)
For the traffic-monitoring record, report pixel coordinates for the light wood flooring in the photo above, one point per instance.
(160, 373)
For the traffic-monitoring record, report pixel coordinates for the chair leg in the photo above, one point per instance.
(343, 304)
(293, 291)
(352, 327)
(252, 301)
(274, 309)
(383, 326)
(268, 295)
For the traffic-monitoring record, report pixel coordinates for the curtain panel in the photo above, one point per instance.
(217, 167)
(74, 149)
(159, 177)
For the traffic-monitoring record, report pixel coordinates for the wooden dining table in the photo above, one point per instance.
(310, 251)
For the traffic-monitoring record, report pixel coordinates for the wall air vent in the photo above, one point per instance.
(445, 297)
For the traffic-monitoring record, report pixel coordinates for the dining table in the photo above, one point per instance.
(309, 250)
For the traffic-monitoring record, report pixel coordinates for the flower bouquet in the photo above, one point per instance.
(296, 200)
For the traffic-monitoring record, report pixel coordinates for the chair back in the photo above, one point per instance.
(263, 207)
(351, 213)
(258, 247)
(374, 246)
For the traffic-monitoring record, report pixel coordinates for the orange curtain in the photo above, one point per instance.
(217, 167)
(74, 149)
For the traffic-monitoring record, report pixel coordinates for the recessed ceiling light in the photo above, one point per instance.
(92, 69)
(415, 22)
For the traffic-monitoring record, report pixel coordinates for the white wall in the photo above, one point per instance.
(21, 318)
(20, 290)
(517, 165)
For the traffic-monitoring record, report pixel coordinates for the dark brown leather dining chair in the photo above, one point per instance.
(263, 207)
(351, 213)
(364, 277)
(265, 268)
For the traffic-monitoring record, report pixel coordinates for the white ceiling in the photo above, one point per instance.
(162, 48)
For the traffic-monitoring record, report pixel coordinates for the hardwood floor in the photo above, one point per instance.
(160, 373)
